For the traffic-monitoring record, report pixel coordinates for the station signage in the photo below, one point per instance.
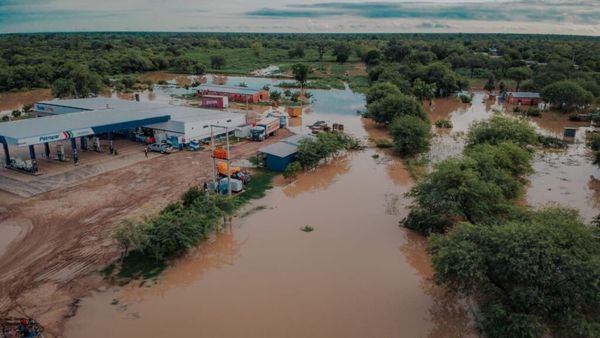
(64, 135)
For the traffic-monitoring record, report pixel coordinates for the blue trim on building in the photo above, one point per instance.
(129, 124)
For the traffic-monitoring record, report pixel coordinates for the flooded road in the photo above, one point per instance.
(358, 274)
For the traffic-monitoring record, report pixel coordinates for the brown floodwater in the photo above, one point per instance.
(358, 274)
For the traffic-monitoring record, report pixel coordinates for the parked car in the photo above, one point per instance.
(162, 148)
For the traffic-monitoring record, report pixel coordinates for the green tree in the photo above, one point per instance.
(411, 135)
(535, 276)
(292, 170)
(490, 85)
(297, 51)
(566, 95)
(440, 74)
(454, 191)
(342, 52)
(321, 48)
(372, 57)
(380, 90)
(275, 95)
(257, 48)
(130, 236)
(63, 88)
(519, 74)
(300, 71)
(499, 129)
(386, 109)
(505, 165)
(217, 61)
(424, 91)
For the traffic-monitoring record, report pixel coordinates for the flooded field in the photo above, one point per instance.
(567, 177)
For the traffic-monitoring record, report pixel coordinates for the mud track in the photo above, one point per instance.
(65, 234)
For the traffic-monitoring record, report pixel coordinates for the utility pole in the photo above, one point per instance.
(212, 154)
(228, 163)
(228, 158)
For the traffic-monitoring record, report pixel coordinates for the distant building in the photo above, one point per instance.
(524, 98)
(236, 94)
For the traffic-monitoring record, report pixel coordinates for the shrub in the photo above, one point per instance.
(391, 106)
(443, 123)
(411, 135)
(465, 98)
(383, 144)
(502, 128)
(292, 170)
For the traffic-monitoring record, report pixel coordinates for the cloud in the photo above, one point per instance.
(432, 25)
(586, 11)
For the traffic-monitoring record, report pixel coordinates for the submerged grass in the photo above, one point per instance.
(416, 166)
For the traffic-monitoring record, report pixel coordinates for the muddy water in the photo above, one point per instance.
(566, 177)
(356, 275)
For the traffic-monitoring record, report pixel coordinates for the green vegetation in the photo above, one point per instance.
(500, 129)
(146, 247)
(307, 228)
(480, 186)
(411, 135)
(532, 275)
(292, 170)
(327, 144)
(567, 95)
(391, 106)
(383, 144)
(443, 124)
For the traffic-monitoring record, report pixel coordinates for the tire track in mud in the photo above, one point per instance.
(65, 233)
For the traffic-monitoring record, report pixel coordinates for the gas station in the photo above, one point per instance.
(69, 127)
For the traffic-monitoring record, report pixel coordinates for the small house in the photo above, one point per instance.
(523, 98)
(235, 94)
(279, 155)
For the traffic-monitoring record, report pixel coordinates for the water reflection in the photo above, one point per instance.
(319, 179)
(220, 251)
(449, 314)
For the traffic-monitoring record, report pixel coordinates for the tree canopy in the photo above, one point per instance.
(532, 276)
(566, 94)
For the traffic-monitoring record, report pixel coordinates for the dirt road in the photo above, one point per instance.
(64, 234)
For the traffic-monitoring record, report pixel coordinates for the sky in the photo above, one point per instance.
(580, 17)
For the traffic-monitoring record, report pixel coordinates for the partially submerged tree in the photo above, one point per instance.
(500, 128)
(533, 277)
(411, 135)
(566, 95)
(391, 106)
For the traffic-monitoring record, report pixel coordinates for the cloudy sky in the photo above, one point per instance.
(507, 16)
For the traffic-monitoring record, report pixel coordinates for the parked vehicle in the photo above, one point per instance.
(162, 148)
(265, 128)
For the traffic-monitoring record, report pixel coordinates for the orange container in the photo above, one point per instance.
(220, 153)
